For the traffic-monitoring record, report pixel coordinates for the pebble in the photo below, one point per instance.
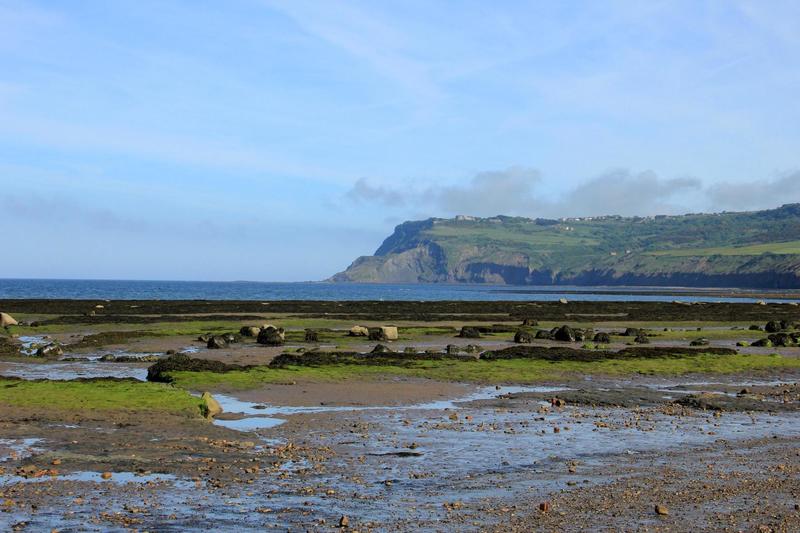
(545, 507)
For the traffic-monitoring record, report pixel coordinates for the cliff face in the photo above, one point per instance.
(757, 249)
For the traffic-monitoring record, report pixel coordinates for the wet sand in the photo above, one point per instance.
(356, 393)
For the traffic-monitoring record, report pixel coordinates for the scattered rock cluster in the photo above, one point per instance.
(780, 336)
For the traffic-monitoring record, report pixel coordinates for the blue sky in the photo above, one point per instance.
(270, 140)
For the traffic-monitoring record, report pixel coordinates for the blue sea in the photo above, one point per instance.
(247, 290)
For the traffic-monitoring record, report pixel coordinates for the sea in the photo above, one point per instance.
(251, 290)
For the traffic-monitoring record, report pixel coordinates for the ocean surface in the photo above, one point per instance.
(246, 290)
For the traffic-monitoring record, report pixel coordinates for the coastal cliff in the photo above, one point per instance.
(759, 249)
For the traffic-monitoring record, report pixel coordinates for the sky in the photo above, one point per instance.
(277, 141)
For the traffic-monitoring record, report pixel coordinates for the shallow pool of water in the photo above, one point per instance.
(263, 416)
(68, 370)
(17, 448)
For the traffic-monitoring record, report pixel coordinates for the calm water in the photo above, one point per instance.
(212, 290)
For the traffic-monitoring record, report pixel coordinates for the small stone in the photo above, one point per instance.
(344, 521)
(545, 507)
(661, 510)
(106, 475)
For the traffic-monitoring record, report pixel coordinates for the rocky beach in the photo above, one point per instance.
(395, 416)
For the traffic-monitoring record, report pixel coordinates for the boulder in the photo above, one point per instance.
(376, 334)
(544, 334)
(7, 320)
(217, 342)
(380, 348)
(530, 322)
(210, 406)
(602, 338)
(311, 336)
(205, 337)
(565, 334)
(702, 341)
(781, 339)
(632, 332)
(271, 336)
(249, 331)
(755, 327)
(472, 348)
(641, 338)
(762, 343)
(521, 337)
(773, 326)
(742, 344)
(580, 335)
(390, 333)
(562, 301)
(469, 332)
(50, 350)
(358, 331)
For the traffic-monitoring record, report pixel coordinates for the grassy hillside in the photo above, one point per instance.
(740, 249)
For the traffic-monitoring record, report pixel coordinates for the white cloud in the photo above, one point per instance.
(524, 191)
(510, 191)
(756, 194)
